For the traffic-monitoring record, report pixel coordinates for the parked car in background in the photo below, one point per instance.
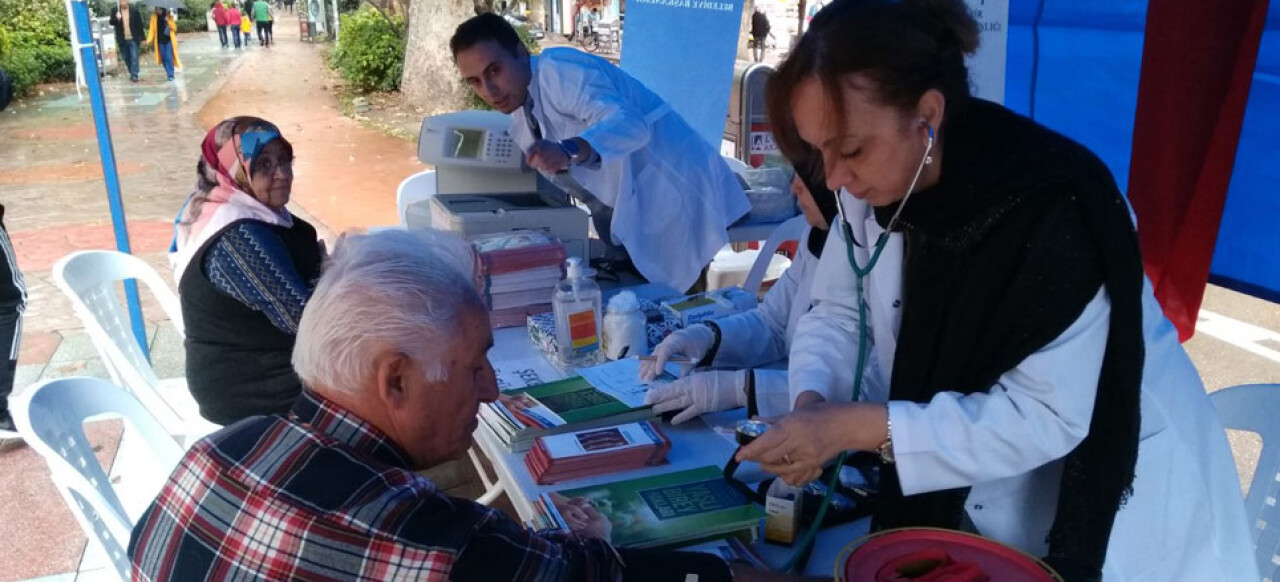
(534, 28)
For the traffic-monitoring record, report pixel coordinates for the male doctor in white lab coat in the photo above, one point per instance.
(616, 144)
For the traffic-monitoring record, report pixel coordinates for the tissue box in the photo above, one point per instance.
(542, 327)
(710, 305)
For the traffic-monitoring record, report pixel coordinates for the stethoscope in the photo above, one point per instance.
(860, 273)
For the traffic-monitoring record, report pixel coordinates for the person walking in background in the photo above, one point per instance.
(13, 300)
(162, 35)
(288, 5)
(759, 33)
(233, 22)
(246, 23)
(271, 26)
(262, 16)
(220, 18)
(129, 34)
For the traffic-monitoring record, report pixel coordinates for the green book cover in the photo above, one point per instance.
(672, 507)
(573, 399)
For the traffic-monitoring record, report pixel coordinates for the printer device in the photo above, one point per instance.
(483, 185)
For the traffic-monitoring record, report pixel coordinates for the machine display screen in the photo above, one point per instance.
(467, 143)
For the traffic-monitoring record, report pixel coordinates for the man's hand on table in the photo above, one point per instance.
(583, 517)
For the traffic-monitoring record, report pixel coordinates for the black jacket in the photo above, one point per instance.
(759, 26)
(135, 25)
(238, 363)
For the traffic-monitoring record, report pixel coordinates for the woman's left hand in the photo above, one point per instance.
(797, 445)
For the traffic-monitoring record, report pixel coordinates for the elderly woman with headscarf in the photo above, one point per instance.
(245, 266)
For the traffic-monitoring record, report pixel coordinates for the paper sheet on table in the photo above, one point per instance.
(618, 379)
(524, 372)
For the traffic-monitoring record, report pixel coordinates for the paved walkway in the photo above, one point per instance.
(51, 185)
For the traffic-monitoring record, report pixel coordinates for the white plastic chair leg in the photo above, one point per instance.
(493, 489)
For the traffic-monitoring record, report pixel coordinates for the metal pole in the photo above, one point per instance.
(321, 25)
(337, 18)
(108, 154)
(74, 53)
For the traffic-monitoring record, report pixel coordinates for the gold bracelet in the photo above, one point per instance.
(886, 448)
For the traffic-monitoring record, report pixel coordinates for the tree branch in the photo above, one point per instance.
(390, 22)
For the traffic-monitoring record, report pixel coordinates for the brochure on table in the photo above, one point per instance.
(693, 445)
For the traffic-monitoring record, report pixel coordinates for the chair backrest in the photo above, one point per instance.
(1256, 408)
(50, 416)
(414, 189)
(90, 280)
(792, 229)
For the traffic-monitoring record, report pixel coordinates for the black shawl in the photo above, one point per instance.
(1002, 255)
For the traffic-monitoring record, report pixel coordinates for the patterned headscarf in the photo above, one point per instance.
(224, 188)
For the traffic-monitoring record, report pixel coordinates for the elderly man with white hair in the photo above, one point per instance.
(392, 352)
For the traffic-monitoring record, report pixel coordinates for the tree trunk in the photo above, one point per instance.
(430, 79)
(744, 33)
(538, 13)
(800, 22)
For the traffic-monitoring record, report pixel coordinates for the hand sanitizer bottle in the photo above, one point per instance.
(576, 306)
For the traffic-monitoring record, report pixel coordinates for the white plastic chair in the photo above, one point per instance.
(792, 229)
(414, 189)
(51, 416)
(1256, 408)
(750, 268)
(492, 488)
(90, 279)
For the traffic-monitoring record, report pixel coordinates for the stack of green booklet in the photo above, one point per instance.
(665, 510)
(519, 417)
(603, 395)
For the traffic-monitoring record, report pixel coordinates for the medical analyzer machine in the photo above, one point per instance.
(483, 185)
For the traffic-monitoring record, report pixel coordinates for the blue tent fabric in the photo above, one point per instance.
(1247, 256)
(1077, 72)
(1086, 74)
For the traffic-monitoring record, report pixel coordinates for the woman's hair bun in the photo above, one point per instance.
(958, 23)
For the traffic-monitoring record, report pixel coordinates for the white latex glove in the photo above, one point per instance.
(692, 342)
(700, 393)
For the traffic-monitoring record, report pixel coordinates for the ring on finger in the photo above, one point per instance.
(787, 458)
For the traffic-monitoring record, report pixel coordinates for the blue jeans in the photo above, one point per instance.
(222, 35)
(129, 52)
(235, 34)
(166, 58)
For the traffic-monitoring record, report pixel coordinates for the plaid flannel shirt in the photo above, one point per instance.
(323, 495)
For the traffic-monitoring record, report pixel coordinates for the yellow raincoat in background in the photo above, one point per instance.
(155, 42)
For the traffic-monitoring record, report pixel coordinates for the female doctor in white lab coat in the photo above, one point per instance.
(748, 350)
(1018, 376)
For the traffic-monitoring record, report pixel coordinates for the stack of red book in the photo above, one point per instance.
(520, 270)
(597, 451)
